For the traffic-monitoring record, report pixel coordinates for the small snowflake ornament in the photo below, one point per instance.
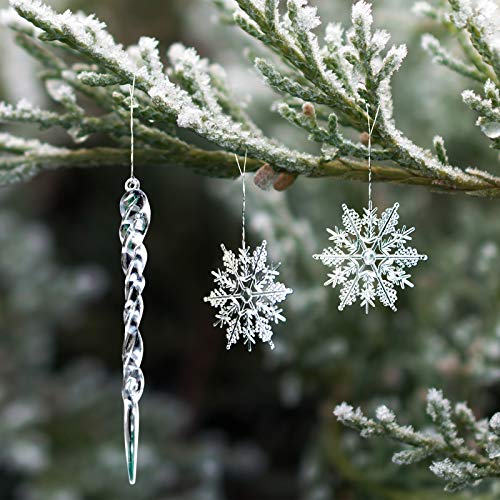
(246, 296)
(369, 257)
(246, 293)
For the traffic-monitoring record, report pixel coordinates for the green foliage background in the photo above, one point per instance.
(223, 424)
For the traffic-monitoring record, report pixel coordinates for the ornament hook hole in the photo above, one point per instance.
(132, 183)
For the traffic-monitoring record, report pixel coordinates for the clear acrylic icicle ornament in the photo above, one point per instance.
(369, 257)
(136, 215)
(246, 293)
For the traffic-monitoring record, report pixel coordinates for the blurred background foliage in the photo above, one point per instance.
(229, 425)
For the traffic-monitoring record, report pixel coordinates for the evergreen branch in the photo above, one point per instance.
(360, 50)
(458, 461)
(342, 77)
(441, 56)
(476, 30)
(221, 164)
(488, 109)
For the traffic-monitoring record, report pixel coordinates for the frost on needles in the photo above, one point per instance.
(476, 28)
(332, 71)
(325, 75)
(462, 449)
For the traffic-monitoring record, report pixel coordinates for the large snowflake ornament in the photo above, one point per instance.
(246, 296)
(369, 257)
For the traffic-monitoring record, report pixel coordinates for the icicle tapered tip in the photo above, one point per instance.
(131, 434)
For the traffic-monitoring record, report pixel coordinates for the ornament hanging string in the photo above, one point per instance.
(132, 89)
(243, 210)
(370, 131)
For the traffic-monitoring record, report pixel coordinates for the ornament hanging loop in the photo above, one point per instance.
(132, 183)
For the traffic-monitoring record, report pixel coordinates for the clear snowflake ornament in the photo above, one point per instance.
(246, 293)
(369, 256)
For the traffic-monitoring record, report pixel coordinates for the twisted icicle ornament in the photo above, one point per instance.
(136, 214)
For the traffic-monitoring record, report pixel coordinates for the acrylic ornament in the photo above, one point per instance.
(246, 293)
(369, 256)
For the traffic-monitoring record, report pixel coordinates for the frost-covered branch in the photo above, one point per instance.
(326, 85)
(463, 450)
(476, 28)
(337, 81)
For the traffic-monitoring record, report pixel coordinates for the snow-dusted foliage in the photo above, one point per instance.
(325, 74)
(246, 296)
(333, 75)
(477, 30)
(369, 257)
(488, 108)
(461, 459)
